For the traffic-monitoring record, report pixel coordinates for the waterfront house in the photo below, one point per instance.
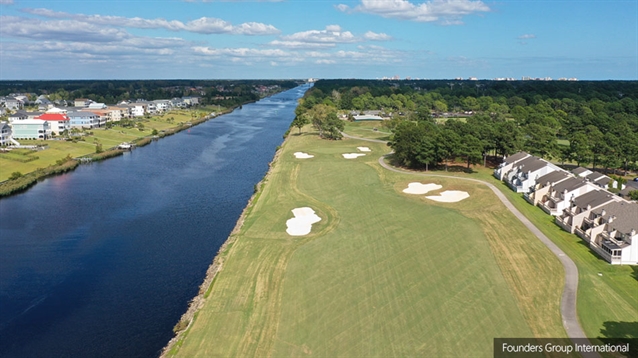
(580, 207)
(507, 164)
(612, 231)
(5, 134)
(83, 119)
(31, 129)
(138, 109)
(162, 105)
(58, 122)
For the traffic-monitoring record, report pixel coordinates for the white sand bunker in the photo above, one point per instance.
(418, 188)
(450, 196)
(352, 155)
(364, 149)
(301, 224)
(302, 155)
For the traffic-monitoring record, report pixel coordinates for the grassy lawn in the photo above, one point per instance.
(383, 273)
(366, 130)
(109, 138)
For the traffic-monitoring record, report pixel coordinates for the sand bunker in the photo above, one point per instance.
(450, 196)
(301, 224)
(364, 149)
(418, 188)
(302, 155)
(352, 155)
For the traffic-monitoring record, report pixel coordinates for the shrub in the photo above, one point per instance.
(15, 175)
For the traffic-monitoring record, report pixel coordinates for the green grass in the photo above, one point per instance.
(366, 130)
(383, 273)
(109, 138)
(605, 301)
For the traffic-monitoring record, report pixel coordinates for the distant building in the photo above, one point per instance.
(31, 129)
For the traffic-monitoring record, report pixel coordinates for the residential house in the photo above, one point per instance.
(581, 207)
(524, 173)
(58, 122)
(82, 102)
(543, 184)
(191, 100)
(601, 180)
(18, 116)
(611, 231)
(560, 195)
(95, 105)
(5, 134)
(178, 103)
(507, 164)
(83, 119)
(119, 112)
(366, 117)
(163, 105)
(581, 172)
(139, 109)
(13, 103)
(31, 129)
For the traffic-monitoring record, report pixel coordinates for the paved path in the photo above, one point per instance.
(568, 300)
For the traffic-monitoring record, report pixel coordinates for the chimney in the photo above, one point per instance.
(602, 213)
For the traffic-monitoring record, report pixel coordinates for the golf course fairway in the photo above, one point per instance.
(383, 273)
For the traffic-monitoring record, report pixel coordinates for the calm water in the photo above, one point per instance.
(103, 261)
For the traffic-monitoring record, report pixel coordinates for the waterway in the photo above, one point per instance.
(102, 262)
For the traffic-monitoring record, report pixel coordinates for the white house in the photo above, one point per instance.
(561, 194)
(138, 109)
(31, 129)
(543, 184)
(163, 105)
(524, 173)
(580, 207)
(611, 231)
(507, 164)
(5, 134)
(58, 122)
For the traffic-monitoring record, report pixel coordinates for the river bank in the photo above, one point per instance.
(183, 325)
(20, 182)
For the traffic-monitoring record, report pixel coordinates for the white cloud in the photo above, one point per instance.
(333, 34)
(325, 62)
(372, 36)
(65, 30)
(447, 12)
(300, 44)
(527, 37)
(6, 2)
(203, 25)
(342, 8)
(239, 52)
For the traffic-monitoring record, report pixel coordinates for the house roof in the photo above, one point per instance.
(595, 176)
(570, 184)
(626, 215)
(593, 198)
(531, 164)
(580, 170)
(30, 121)
(81, 114)
(19, 114)
(53, 117)
(552, 177)
(515, 157)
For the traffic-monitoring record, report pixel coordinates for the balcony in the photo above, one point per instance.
(564, 223)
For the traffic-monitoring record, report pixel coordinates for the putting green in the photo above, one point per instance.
(382, 274)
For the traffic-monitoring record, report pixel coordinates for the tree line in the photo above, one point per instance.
(587, 122)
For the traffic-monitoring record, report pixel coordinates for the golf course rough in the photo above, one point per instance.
(382, 273)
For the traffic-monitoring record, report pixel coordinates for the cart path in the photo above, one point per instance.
(570, 291)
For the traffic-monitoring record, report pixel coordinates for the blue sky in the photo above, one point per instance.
(149, 39)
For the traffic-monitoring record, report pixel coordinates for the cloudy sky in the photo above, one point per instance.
(201, 39)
